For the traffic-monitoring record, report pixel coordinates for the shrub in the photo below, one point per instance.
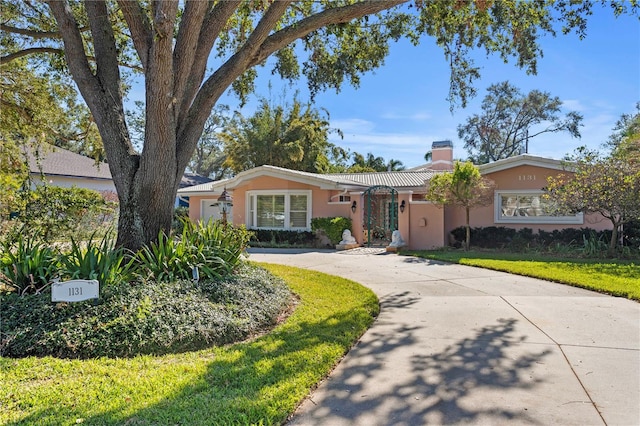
(180, 216)
(148, 318)
(214, 248)
(56, 212)
(332, 227)
(278, 237)
(102, 262)
(522, 239)
(631, 234)
(27, 264)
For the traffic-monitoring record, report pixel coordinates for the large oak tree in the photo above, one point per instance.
(190, 52)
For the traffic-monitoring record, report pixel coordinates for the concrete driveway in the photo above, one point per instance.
(462, 345)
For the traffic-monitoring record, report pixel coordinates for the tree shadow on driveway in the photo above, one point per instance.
(386, 385)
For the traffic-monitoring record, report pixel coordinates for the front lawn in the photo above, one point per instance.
(615, 277)
(259, 381)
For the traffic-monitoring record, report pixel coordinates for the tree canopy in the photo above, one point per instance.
(625, 139)
(608, 185)
(510, 119)
(190, 52)
(293, 137)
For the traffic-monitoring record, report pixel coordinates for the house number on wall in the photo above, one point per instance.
(526, 177)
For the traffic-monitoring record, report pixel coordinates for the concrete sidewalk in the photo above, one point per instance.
(462, 345)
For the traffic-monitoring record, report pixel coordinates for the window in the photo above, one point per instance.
(279, 210)
(529, 207)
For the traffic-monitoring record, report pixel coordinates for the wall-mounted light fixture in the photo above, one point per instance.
(402, 206)
(354, 206)
(224, 203)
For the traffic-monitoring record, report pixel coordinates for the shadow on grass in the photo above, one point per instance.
(446, 386)
(257, 382)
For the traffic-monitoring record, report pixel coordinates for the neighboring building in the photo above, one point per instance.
(378, 203)
(65, 168)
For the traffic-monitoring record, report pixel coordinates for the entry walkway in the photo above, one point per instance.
(462, 345)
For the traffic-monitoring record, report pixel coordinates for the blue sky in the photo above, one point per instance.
(401, 108)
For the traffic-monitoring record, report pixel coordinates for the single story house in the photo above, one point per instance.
(379, 203)
(61, 167)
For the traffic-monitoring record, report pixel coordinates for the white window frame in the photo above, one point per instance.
(251, 216)
(577, 219)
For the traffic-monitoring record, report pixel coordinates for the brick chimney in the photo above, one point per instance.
(442, 155)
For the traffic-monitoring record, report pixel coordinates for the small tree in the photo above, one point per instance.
(609, 186)
(464, 187)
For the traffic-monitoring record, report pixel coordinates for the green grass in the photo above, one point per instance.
(255, 382)
(615, 277)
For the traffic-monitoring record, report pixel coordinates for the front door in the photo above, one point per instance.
(380, 215)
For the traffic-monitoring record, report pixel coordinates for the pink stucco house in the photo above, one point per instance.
(378, 203)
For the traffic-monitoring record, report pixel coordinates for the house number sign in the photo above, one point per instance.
(74, 290)
(526, 177)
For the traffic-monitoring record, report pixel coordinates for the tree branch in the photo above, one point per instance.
(30, 33)
(212, 26)
(184, 54)
(331, 16)
(104, 44)
(30, 51)
(139, 27)
(222, 78)
(73, 47)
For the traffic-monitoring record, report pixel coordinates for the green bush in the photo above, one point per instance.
(96, 261)
(493, 237)
(57, 213)
(27, 264)
(280, 237)
(332, 226)
(214, 248)
(147, 318)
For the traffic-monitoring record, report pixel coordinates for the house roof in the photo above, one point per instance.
(56, 161)
(61, 162)
(192, 179)
(353, 181)
(523, 160)
(413, 179)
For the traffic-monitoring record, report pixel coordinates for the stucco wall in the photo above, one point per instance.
(426, 224)
(323, 201)
(518, 178)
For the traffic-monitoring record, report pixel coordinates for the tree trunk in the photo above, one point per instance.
(467, 243)
(614, 238)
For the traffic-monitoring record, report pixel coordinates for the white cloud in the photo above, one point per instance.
(415, 116)
(573, 105)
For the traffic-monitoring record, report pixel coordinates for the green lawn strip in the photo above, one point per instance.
(615, 277)
(255, 382)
